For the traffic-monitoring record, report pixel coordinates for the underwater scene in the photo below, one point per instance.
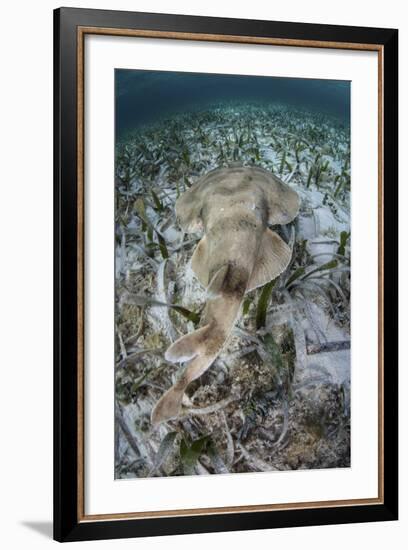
(232, 274)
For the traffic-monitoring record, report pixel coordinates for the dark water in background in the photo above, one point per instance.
(146, 96)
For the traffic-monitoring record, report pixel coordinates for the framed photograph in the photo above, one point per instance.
(225, 274)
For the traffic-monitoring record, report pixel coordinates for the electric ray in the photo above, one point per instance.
(238, 253)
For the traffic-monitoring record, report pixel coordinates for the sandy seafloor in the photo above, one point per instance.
(278, 396)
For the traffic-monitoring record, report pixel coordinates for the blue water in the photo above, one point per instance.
(143, 97)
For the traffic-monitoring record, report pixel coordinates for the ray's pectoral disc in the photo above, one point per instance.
(237, 253)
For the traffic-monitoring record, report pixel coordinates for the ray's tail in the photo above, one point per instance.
(201, 347)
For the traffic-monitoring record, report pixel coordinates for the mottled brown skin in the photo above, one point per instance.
(233, 207)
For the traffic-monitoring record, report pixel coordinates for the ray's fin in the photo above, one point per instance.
(187, 346)
(217, 281)
(283, 202)
(168, 406)
(199, 261)
(273, 258)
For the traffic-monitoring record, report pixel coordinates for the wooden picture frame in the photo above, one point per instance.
(71, 26)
